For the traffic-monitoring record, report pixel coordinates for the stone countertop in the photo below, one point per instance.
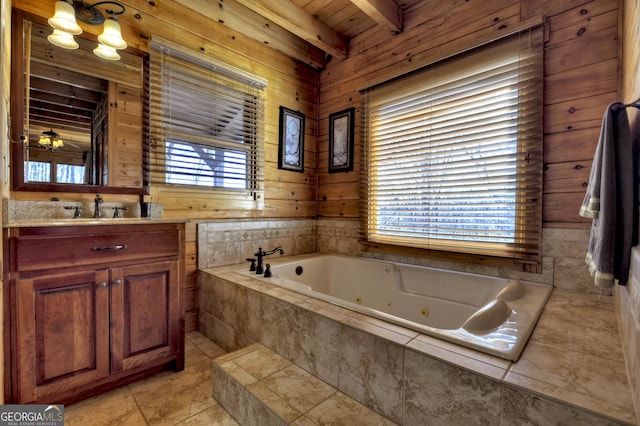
(20, 214)
(90, 222)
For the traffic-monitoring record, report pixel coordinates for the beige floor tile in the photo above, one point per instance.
(170, 397)
(212, 416)
(182, 398)
(117, 407)
(205, 344)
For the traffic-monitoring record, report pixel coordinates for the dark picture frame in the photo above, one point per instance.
(291, 140)
(341, 141)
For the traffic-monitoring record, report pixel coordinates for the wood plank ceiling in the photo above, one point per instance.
(329, 25)
(326, 25)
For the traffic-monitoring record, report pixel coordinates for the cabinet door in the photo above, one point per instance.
(62, 333)
(145, 314)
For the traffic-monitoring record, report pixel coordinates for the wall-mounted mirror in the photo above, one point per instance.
(77, 120)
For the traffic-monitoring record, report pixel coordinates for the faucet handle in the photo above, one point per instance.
(116, 211)
(252, 267)
(267, 271)
(76, 214)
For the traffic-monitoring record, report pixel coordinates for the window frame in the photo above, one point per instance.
(238, 89)
(528, 247)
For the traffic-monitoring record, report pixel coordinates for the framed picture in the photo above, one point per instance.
(291, 140)
(341, 141)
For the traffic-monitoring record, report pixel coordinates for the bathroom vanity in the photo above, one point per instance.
(91, 306)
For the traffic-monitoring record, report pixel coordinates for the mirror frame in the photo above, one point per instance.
(17, 106)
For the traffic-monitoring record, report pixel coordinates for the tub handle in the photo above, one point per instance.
(252, 267)
(267, 271)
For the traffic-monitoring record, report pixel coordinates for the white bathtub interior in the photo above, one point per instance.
(493, 315)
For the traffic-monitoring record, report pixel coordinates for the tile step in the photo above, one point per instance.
(256, 386)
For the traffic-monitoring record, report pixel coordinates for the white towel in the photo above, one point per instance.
(611, 200)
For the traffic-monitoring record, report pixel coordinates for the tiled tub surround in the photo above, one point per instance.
(628, 315)
(489, 314)
(259, 387)
(571, 372)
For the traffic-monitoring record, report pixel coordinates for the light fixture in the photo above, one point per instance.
(111, 35)
(65, 19)
(50, 140)
(62, 39)
(65, 26)
(106, 52)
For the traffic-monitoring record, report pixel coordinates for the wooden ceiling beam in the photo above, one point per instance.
(245, 21)
(385, 12)
(296, 20)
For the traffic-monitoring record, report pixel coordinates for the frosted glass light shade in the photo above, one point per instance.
(106, 52)
(64, 19)
(111, 35)
(62, 39)
(57, 144)
(45, 141)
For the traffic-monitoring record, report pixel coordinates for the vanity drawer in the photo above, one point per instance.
(38, 252)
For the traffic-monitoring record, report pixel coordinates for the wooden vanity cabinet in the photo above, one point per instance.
(89, 308)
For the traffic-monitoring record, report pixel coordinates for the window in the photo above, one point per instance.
(206, 122)
(454, 153)
(39, 171)
(69, 173)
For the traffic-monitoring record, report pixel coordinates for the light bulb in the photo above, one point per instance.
(106, 52)
(64, 19)
(111, 35)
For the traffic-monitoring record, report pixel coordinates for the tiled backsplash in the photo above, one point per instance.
(16, 210)
(562, 264)
(229, 242)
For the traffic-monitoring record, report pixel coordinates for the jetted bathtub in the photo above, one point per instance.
(493, 315)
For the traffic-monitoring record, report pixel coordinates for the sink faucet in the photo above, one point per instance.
(97, 202)
(260, 254)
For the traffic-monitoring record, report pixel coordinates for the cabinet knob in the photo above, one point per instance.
(102, 284)
(117, 282)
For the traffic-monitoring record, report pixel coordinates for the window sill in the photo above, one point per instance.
(492, 261)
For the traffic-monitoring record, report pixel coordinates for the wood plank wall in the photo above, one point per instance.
(631, 59)
(581, 79)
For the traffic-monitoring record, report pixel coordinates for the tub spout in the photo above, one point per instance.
(261, 254)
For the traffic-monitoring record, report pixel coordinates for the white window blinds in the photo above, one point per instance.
(453, 153)
(206, 121)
